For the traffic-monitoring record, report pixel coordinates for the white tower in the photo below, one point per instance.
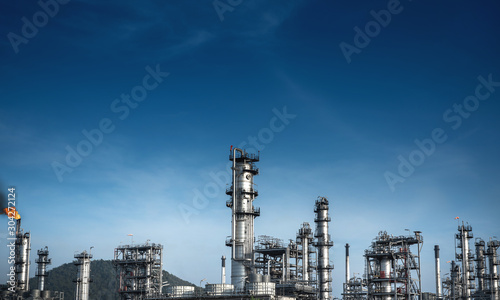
(243, 214)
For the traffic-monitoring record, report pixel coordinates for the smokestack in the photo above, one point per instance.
(223, 271)
(347, 271)
(438, 272)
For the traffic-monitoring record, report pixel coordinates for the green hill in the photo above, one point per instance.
(103, 285)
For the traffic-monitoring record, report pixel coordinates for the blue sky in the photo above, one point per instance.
(269, 74)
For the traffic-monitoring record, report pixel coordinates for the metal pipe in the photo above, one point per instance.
(305, 257)
(438, 272)
(234, 200)
(235, 266)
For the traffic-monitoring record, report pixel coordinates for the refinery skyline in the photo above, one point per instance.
(118, 118)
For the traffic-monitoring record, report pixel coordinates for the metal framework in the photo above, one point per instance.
(492, 276)
(477, 275)
(465, 256)
(139, 270)
(392, 270)
(354, 288)
(272, 258)
(306, 255)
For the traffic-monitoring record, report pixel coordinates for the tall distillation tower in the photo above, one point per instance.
(243, 214)
(22, 257)
(42, 262)
(463, 236)
(493, 263)
(323, 244)
(83, 275)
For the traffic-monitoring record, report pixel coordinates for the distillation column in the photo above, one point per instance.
(83, 275)
(438, 272)
(463, 236)
(243, 214)
(480, 266)
(493, 263)
(304, 239)
(22, 258)
(323, 244)
(42, 262)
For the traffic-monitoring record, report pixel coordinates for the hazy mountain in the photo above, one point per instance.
(104, 281)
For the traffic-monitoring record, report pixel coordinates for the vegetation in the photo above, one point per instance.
(104, 283)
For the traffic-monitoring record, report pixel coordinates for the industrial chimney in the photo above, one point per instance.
(438, 272)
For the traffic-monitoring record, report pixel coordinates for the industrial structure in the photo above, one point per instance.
(19, 289)
(22, 260)
(323, 243)
(139, 270)
(354, 288)
(42, 262)
(83, 275)
(439, 290)
(476, 277)
(270, 268)
(266, 267)
(392, 269)
(243, 214)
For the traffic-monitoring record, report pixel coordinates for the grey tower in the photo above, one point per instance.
(42, 262)
(243, 214)
(83, 275)
(323, 244)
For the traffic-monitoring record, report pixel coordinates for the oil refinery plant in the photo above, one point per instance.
(266, 267)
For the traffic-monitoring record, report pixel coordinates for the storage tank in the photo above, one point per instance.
(219, 289)
(262, 288)
(180, 291)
